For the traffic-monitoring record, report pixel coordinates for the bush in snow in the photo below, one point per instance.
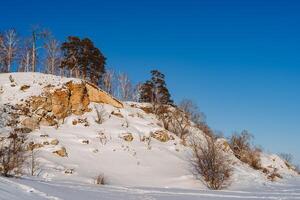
(243, 150)
(210, 163)
(12, 154)
(99, 180)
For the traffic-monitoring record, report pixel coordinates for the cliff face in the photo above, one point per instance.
(56, 104)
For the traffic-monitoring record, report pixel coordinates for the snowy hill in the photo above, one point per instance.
(125, 148)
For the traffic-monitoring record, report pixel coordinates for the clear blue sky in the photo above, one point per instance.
(238, 59)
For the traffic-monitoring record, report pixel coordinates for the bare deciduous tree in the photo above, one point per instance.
(108, 79)
(53, 56)
(125, 87)
(34, 165)
(8, 49)
(192, 110)
(210, 163)
(25, 57)
(37, 34)
(180, 123)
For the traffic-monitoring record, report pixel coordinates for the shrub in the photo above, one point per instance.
(12, 154)
(210, 163)
(243, 150)
(99, 180)
(274, 175)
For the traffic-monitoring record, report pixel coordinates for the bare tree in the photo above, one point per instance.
(108, 79)
(210, 163)
(180, 123)
(53, 56)
(34, 165)
(192, 110)
(37, 34)
(24, 57)
(8, 49)
(125, 87)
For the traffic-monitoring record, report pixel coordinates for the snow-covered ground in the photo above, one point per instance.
(132, 170)
(26, 189)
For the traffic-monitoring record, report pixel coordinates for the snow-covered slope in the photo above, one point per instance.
(100, 149)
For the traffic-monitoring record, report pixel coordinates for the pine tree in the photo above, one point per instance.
(147, 92)
(155, 90)
(84, 59)
(161, 92)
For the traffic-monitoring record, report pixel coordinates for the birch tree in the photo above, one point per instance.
(8, 49)
(53, 56)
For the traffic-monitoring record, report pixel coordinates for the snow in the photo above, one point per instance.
(17, 189)
(131, 170)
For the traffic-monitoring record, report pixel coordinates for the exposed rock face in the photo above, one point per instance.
(60, 103)
(55, 104)
(79, 100)
(98, 96)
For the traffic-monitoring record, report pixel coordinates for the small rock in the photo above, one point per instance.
(127, 137)
(54, 142)
(61, 152)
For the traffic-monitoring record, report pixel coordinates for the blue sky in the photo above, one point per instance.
(239, 60)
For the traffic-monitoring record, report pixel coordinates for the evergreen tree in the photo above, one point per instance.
(83, 59)
(161, 92)
(155, 90)
(147, 92)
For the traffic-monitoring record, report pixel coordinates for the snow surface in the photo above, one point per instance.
(131, 170)
(34, 189)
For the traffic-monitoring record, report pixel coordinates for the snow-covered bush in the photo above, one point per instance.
(210, 163)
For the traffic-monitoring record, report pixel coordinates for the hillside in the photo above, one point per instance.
(129, 148)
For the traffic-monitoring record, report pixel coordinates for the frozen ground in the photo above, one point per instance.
(16, 189)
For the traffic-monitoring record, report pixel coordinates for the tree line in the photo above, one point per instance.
(75, 57)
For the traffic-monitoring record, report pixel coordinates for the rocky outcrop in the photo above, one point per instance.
(98, 96)
(79, 99)
(58, 103)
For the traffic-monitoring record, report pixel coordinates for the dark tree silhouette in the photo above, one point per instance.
(155, 90)
(83, 59)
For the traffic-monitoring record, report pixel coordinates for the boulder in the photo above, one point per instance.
(127, 137)
(31, 123)
(161, 136)
(61, 152)
(54, 142)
